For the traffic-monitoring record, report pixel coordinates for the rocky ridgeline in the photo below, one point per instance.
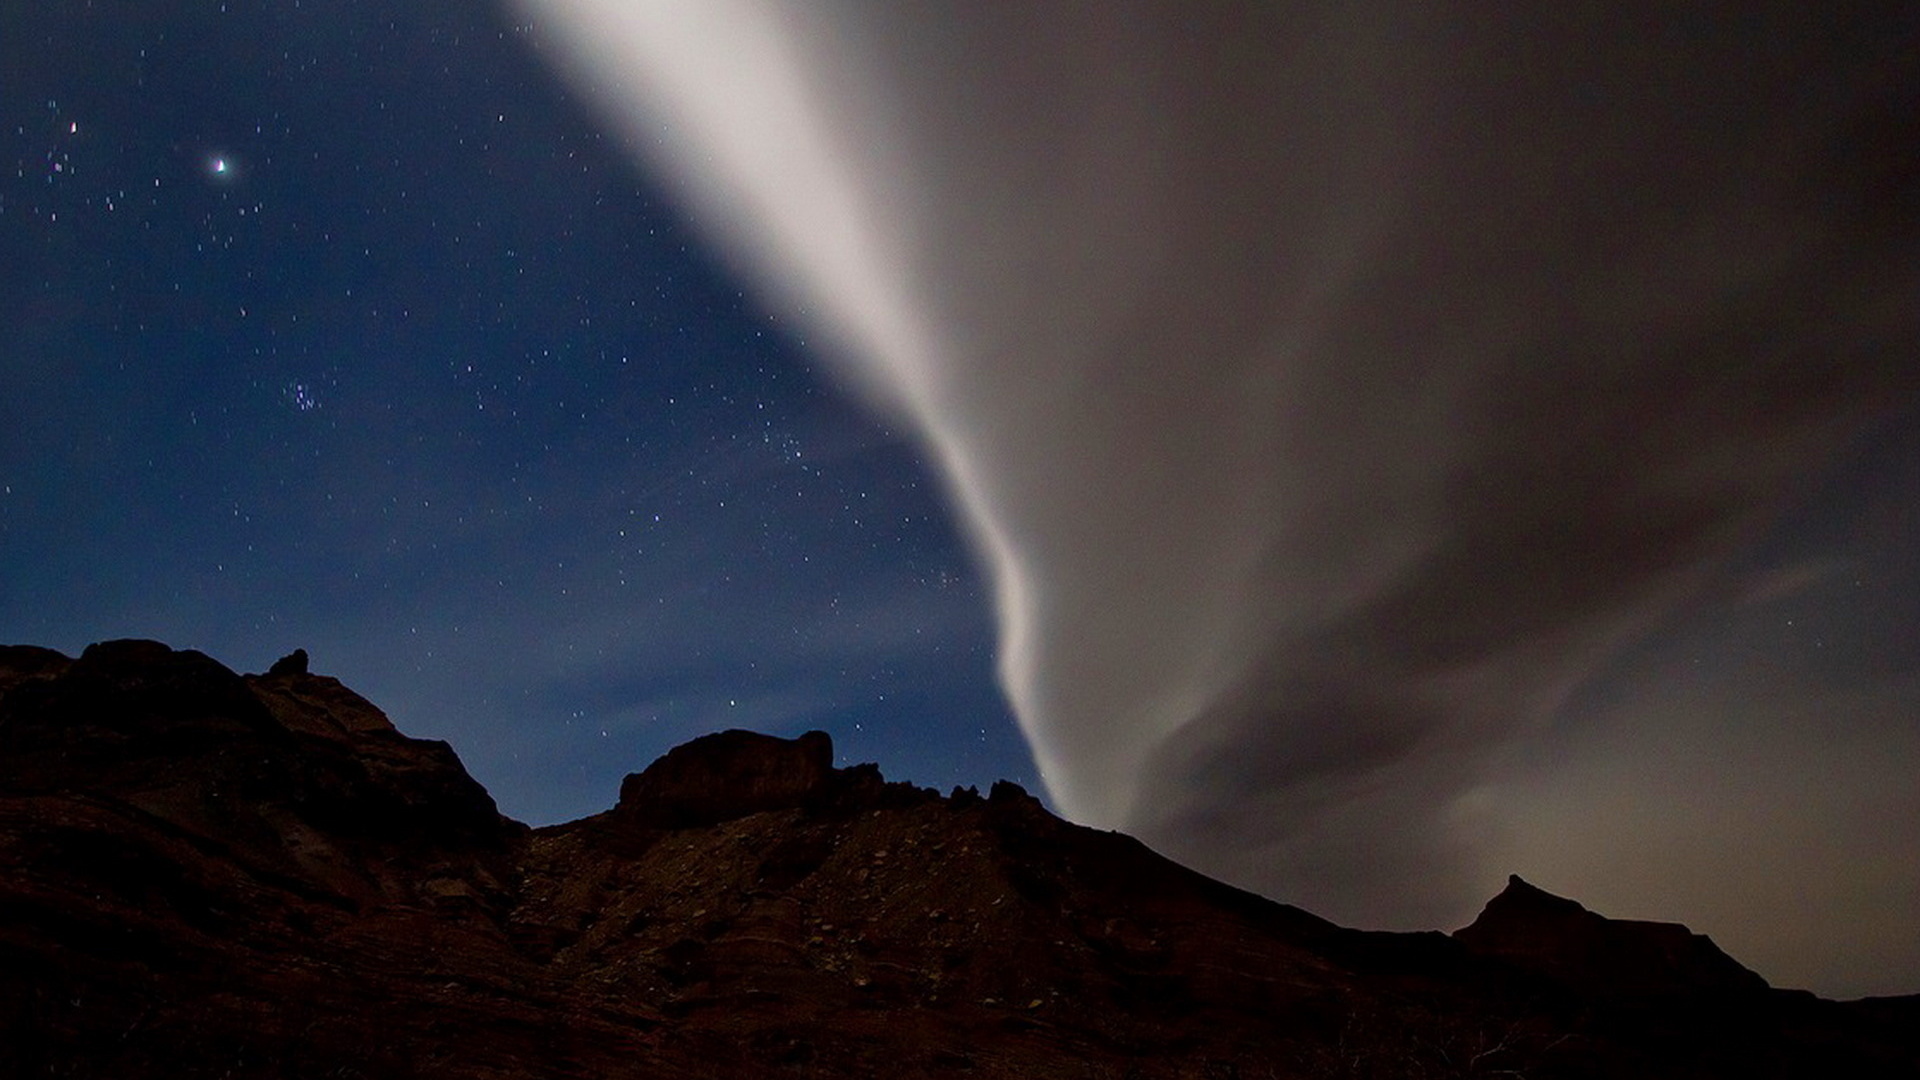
(204, 874)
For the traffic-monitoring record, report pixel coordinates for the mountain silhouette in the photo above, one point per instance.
(204, 874)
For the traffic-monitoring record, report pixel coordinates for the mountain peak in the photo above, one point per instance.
(1522, 899)
(1527, 926)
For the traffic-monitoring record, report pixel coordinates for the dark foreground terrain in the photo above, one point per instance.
(210, 875)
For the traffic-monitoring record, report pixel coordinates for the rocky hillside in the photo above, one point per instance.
(204, 874)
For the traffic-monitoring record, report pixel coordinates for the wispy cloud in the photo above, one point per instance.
(1332, 391)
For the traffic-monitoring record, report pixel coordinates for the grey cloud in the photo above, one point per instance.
(1331, 390)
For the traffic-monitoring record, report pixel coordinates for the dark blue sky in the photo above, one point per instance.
(341, 326)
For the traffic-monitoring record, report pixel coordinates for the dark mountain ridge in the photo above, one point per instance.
(209, 874)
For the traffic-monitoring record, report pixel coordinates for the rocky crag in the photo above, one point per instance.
(204, 874)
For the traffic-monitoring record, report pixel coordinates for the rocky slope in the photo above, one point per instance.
(210, 875)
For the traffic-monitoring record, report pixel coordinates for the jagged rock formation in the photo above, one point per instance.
(210, 875)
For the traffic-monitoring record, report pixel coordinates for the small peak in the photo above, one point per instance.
(129, 662)
(1523, 897)
(1008, 801)
(316, 704)
(1007, 791)
(1532, 928)
(294, 663)
(1525, 909)
(137, 685)
(20, 663)
(127, 653)
(727, 775)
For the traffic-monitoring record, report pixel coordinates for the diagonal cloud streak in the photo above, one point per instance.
(1331, 390)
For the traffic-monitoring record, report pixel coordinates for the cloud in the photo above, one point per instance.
(1332, 391)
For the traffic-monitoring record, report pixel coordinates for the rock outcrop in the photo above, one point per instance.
(294, 663)
(204, 874)
(727, 775)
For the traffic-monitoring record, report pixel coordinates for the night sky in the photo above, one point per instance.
(341, 326)
(1363, 450)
